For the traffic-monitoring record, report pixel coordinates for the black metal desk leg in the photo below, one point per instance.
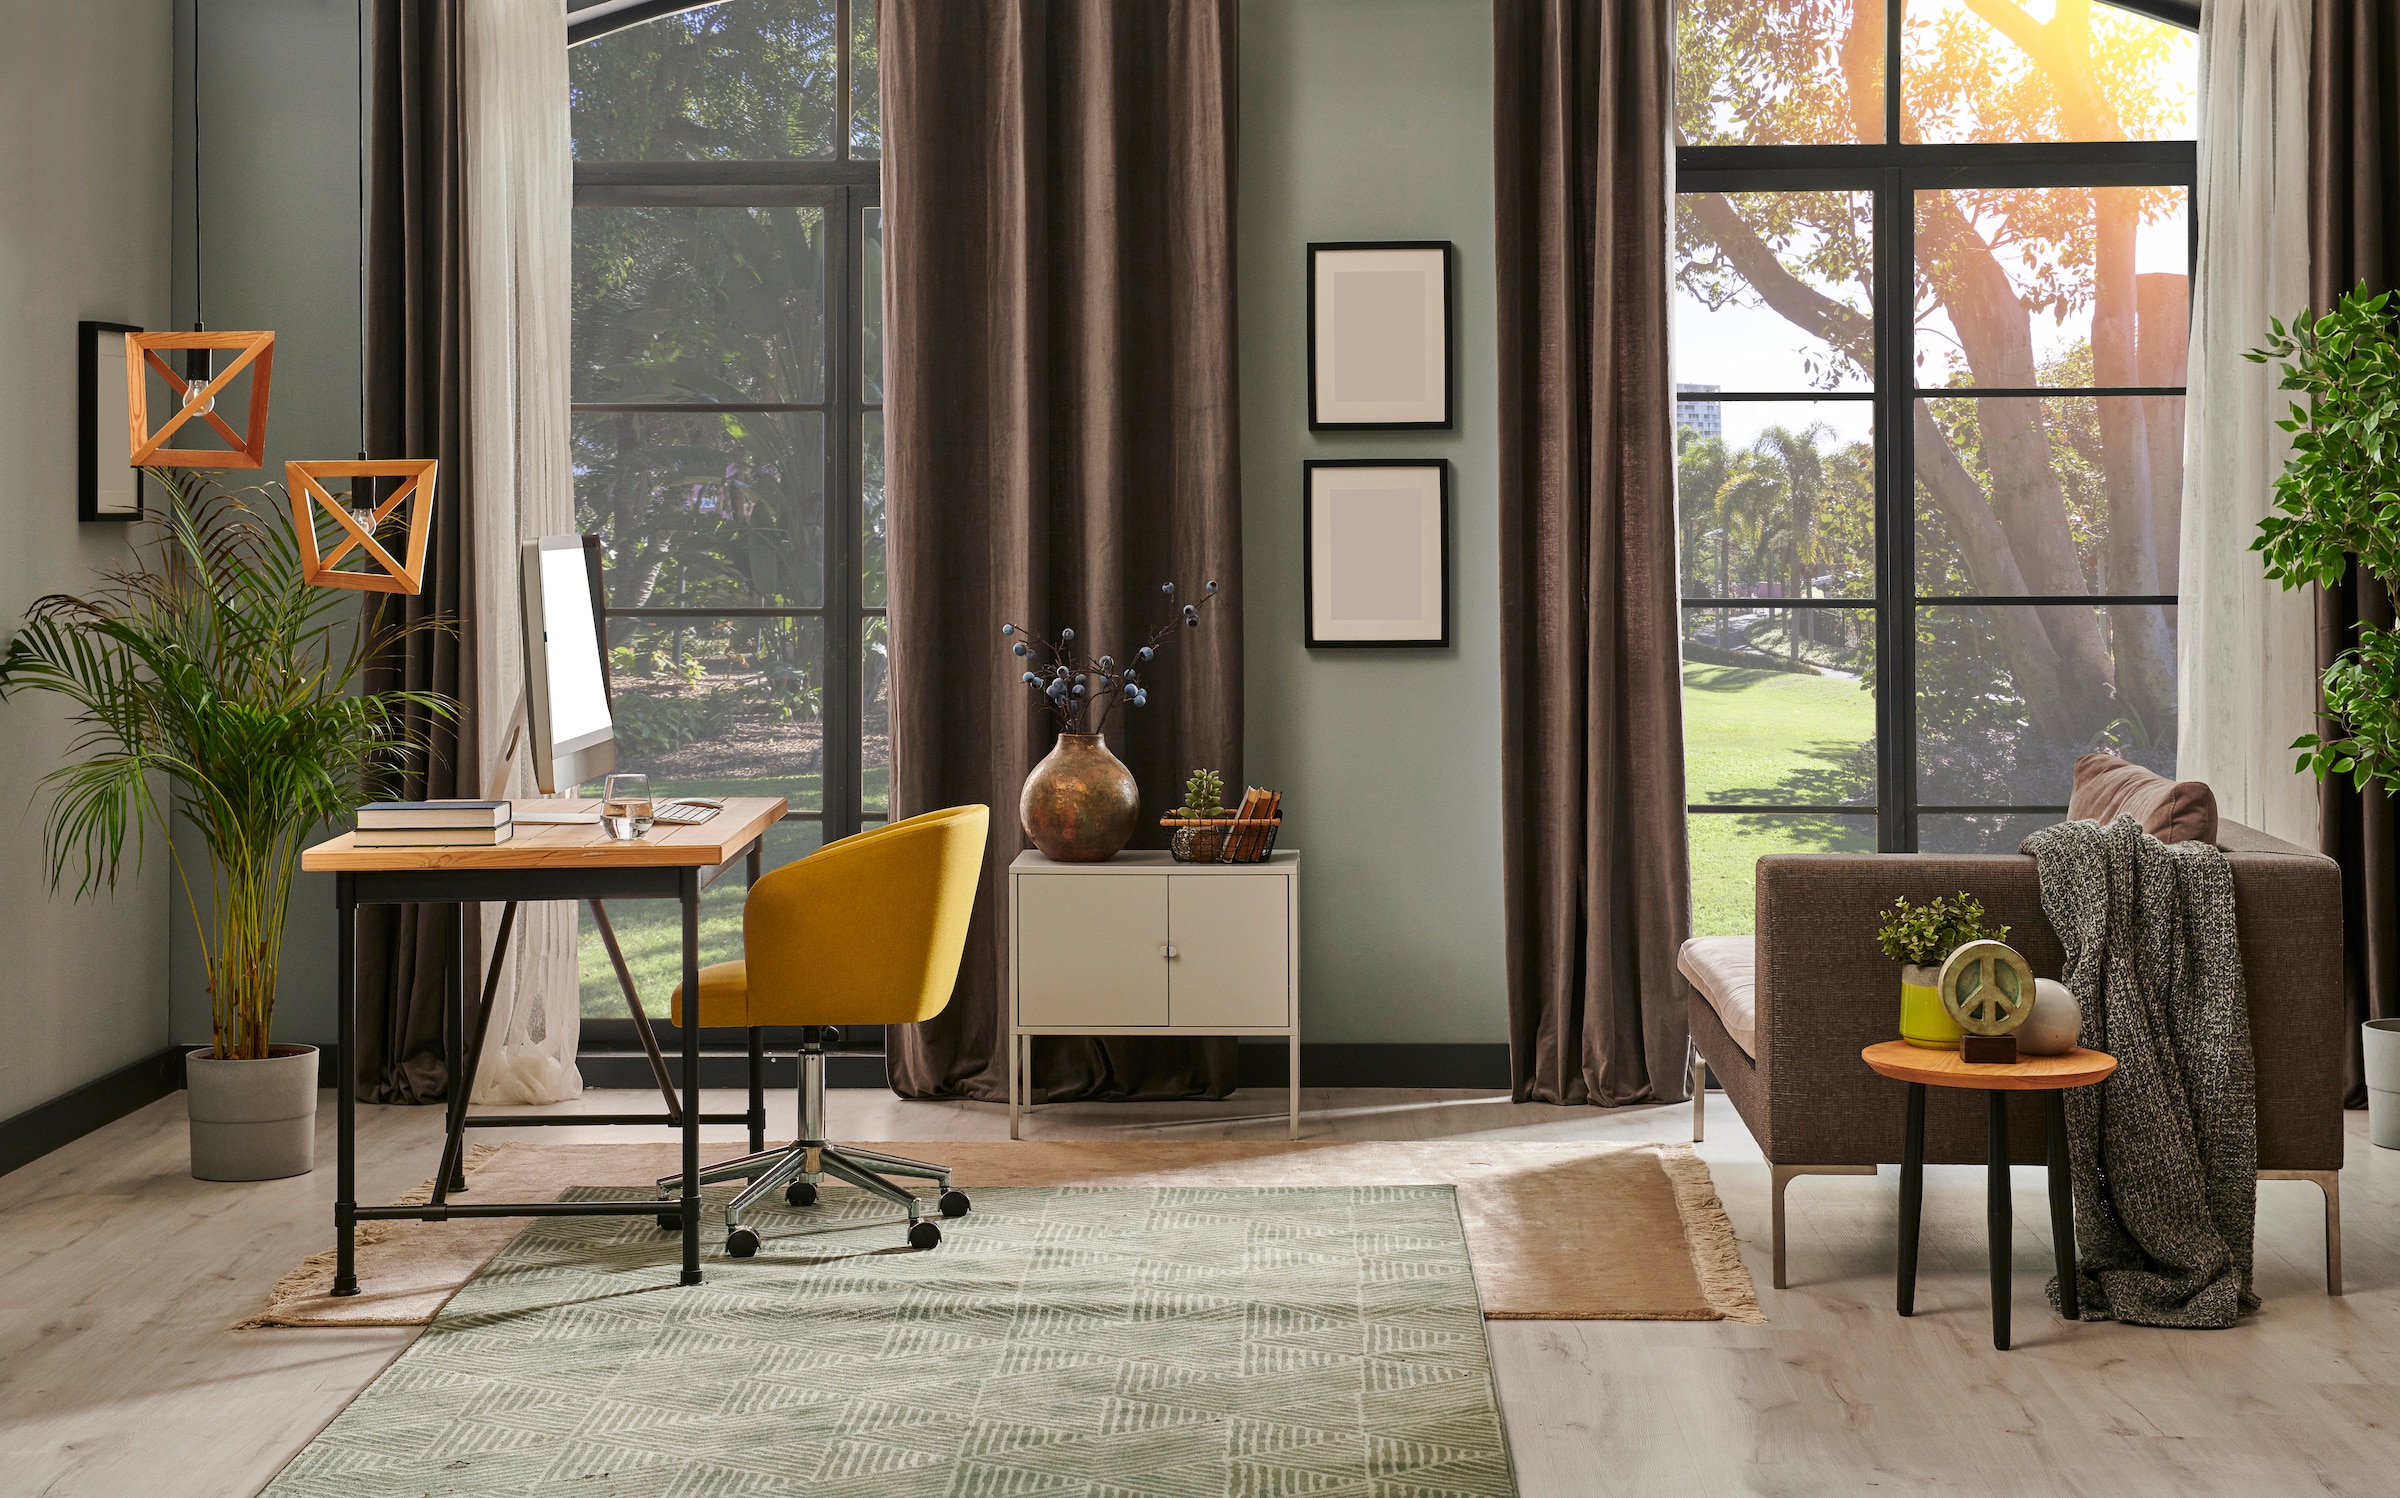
(2000, 1217)
(691, 1077)
(1912, 1195)
(454, 1043)
(758, 1048)
(2062, 1205)
(345, 1088)
(454, 1149)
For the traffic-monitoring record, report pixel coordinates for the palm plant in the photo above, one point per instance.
(211, 666)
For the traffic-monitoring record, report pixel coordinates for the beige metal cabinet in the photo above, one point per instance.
(1142, 945)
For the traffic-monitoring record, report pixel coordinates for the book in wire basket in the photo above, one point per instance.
(1246, 837)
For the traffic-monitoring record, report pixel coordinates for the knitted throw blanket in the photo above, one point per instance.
(2165, 1152)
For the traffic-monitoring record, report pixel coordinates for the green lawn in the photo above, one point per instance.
(1767, 737)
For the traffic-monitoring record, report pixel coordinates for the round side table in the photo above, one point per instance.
(1921, 1068)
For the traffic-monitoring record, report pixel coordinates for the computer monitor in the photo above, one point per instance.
(572, 737)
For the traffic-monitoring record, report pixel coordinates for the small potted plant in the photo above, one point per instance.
(1921, 938)
(1201, 821)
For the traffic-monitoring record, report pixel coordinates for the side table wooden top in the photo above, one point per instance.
(1903, 1062)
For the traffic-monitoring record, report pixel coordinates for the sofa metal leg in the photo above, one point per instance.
(2329, 1182)
(1782, 1176)
(1699, 1070)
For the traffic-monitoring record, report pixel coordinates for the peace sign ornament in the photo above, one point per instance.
(1987, 988)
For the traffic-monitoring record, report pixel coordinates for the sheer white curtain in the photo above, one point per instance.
(2247, 668)
(520, 192)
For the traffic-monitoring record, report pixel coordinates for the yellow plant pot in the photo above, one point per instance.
(1923, 1020)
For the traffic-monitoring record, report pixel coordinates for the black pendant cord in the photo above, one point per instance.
(359, 41)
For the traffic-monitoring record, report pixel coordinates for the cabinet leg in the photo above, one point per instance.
(1016, 1082)
(1295, 1081)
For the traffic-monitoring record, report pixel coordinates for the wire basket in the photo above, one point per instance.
(1221, 839)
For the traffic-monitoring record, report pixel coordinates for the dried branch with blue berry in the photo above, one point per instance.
(1081, 694)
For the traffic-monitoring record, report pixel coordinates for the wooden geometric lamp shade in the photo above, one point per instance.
(308, 496)
(249, 445)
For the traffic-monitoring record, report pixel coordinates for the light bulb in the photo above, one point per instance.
(191, 393)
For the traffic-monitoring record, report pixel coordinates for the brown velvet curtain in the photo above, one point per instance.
(416, 407)
(2354, 235)
(1590, 695)
(1058, 190)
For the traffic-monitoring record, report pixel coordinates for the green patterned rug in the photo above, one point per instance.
(1088, 1342)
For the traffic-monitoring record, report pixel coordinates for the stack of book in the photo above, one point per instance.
(1251, 837)
(434, 824)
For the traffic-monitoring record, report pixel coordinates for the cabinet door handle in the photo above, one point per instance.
(1166, 951)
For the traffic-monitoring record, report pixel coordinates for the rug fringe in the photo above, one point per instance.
(1716, 1256)
(308, 1279)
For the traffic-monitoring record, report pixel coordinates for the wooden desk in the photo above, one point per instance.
(540, 862)
(1922, 1067)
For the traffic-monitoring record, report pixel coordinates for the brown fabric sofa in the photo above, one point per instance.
(1824, 992)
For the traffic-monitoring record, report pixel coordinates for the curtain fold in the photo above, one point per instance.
(1592, 789)
(2354, 235)
(416, 407)
(2247, 646)
(520, 189)
(1058, 189)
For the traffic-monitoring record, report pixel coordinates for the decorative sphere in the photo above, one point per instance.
(1146, 652)
(1066, 634)
(1168, 589)
(2056, 1022)
(1008, 629)
(1020, 649)
(1031, 679)
(1212, 587)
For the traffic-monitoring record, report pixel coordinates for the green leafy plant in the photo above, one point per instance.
(210, 669)
(2338, 498)
(1203, 795)
(1926, 935)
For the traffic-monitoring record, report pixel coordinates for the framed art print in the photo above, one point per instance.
(1375, 551)
(107, 485)
(1379, 336)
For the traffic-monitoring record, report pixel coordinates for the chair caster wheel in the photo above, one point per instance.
(924, 1235)
(955, 1204)
(741, 1243)
(670, 1222)
(800, 1194)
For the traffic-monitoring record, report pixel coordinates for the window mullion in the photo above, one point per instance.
(1895, 514)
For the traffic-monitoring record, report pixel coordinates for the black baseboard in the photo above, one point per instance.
(1481, 1066)
(63, 1120)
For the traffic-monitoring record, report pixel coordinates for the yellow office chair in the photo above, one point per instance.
(865, 931)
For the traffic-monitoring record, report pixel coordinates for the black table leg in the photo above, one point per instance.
(345, 1088)
(758, 1051)
(2062, 1206)
(1912, 1195)
(691, 1077)
(454, 1149)
(454, 1043)
(2000, 1217)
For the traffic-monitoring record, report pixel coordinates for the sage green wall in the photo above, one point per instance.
(83, 234)
(1371, 119)
(279, 178)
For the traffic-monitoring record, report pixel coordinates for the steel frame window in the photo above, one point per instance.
(1894, 173)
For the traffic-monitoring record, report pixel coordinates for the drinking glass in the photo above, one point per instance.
(625, 805)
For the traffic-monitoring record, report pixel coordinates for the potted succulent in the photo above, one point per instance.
(210, 682)
(1201, 821)
(1921, 938)
(1080, 804)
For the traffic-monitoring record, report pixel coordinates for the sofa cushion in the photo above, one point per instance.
(2173, 811)
(1725, 971)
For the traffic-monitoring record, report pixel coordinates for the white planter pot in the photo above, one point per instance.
(2379, 1040)
(253, 1120)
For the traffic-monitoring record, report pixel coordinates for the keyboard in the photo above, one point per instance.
(681, 813)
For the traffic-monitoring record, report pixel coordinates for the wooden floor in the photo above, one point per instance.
(119, 1274)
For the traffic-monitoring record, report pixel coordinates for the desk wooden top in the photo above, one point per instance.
(552, 845)
(1903, 1062)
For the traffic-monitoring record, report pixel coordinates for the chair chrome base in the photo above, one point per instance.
(810, 1159)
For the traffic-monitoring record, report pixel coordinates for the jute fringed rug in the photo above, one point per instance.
(1103, 1342)
(1563, 1232)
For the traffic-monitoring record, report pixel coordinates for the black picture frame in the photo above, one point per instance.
(1308, 554)
(88, 405)
(1318, 420)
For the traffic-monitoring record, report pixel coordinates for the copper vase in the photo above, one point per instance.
(1080, 803)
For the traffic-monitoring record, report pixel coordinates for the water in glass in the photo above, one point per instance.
(625, 805)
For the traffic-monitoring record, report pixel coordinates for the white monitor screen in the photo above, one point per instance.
(578, 699)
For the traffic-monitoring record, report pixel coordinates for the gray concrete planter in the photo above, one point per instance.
(253, 1120)
(2380, 1041)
